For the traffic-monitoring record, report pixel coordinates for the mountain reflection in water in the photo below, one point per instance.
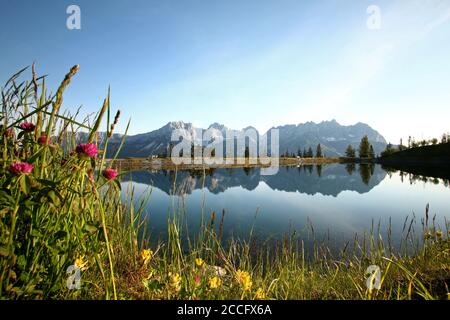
(327, 179)
(338, 200)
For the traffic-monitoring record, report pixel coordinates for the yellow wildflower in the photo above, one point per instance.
(146, 255)
(81, 264)
(260, 294)
(244, 279)
(215, 282)
(175, 281)
(199, 262)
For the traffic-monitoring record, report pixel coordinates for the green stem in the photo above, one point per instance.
(108, 246)
(10, 244)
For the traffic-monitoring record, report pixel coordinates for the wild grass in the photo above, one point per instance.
(64, 208)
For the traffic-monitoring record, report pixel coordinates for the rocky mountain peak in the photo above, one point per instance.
(333, 137)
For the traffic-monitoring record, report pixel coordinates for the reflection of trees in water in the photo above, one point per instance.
(248, 170)
(366, 171)
(402, 176)
(350, 167)
(414, 178)
(309, 168)
(319, 170)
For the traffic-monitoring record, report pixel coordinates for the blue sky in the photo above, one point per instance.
(255, 62)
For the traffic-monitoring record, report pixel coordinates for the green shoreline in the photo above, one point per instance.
(167, 164)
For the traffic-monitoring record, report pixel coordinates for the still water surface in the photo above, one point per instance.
(338, 200)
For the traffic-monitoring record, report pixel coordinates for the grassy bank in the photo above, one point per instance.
(61, 212)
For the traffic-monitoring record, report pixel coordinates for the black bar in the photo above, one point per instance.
(220, 309)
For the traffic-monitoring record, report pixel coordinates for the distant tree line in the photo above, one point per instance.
(306, 153)
(413, 143)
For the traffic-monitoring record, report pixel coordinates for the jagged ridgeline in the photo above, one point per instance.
(333, 137)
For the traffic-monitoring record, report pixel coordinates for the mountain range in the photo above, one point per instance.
(333, 137)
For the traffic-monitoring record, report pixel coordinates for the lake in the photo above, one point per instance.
(332, 202)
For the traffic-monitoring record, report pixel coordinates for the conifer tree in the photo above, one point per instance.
(364, 147)
(319, 151)
(350, 152)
